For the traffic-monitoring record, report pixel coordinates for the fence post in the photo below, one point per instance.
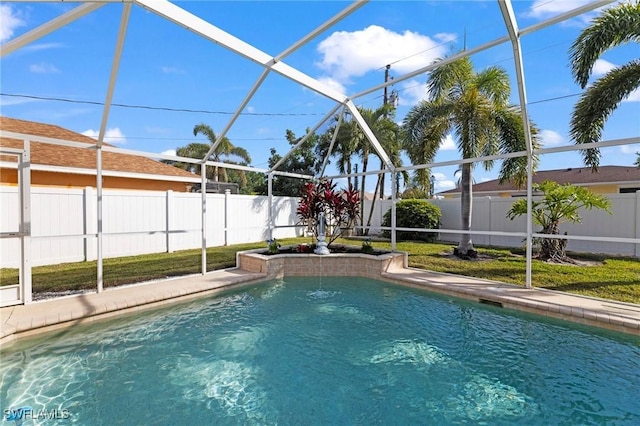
(227, 192)
(168, 217)
(490, 221)
(90, 223)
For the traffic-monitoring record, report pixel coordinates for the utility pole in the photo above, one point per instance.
(385, 99)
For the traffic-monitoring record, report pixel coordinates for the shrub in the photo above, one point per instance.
(340, 207)
(414, 213)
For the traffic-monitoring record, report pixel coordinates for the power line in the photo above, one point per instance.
(200, 111)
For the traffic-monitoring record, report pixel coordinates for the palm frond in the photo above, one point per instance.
(615, 26)
(597, 103)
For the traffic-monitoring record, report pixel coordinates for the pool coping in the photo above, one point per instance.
(254, 267)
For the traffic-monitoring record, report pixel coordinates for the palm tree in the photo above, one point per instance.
(615, 26)
(383, 128)
(474, 107)
(225, 148)
(391, 146)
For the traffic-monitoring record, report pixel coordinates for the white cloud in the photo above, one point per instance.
(546, 8)
(9, 21)
(169, 152)
(112, 136)
(353, 54)
(601, 67)
(251, 109)
(449, 144)
(630, 149)
(412, 92)
(43, 68)
(633, 96)
(332, 83)
(550, 138)
(442, 183)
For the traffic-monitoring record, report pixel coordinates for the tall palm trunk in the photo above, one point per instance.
(373, 204)
(465, 247)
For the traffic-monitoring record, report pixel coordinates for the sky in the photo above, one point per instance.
(171, 79)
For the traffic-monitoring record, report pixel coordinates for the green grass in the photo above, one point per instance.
(614, 278)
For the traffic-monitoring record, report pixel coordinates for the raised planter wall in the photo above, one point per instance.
(308, 264)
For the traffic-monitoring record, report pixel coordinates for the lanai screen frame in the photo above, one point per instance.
(191, 22)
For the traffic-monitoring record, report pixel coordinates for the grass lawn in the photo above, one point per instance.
(608, 277)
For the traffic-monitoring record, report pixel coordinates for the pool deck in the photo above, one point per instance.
(42, 316)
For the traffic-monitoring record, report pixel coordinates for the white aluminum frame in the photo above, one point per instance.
(174, 13)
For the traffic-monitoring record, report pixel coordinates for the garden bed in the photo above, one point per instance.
(334, 248)
(351, 262)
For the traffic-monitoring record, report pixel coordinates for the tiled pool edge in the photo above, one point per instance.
(253, 267)
(393, 268)
(55, 314)
(600, 313)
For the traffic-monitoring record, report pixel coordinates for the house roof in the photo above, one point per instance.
(577, 176)
(81, 158)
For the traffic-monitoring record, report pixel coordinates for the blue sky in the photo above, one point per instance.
(163, 65)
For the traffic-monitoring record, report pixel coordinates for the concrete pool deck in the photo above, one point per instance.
(47, 315)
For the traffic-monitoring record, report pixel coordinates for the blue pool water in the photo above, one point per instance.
(332, 351)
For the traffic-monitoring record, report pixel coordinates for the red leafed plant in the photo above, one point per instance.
(341, 208)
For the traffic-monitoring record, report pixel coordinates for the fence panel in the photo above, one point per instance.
(9, 222)
(185, 221)
(142, 212)
(149, 215)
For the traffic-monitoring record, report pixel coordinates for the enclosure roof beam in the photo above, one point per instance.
(347, 11)
(565, 16)
(432, 66)
(323, 27)
(305, 137)
(468, 52)
(333, 141)
(203, 28)
(48, 27)
(237, 113)
(370, 136)
(124, 22)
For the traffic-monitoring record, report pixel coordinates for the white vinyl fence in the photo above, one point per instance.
(490, 214)
(64, 223)
(135, 222)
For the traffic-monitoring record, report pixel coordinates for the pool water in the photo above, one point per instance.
(327, 351)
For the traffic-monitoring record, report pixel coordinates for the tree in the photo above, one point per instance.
(303, 161)
(474, 108)
(560, 203)
(343, 149)
(225, 151)
(637, 162)
(615, 26)
(351, 140)
(233, 155)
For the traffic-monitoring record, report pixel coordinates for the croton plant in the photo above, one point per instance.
(341, 208)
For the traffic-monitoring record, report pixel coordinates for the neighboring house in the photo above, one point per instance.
(71, 167)
(607, 180)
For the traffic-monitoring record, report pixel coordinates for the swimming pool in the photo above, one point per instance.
(327, 351)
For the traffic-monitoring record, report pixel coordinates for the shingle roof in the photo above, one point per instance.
(578, 176)
(63, 156)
